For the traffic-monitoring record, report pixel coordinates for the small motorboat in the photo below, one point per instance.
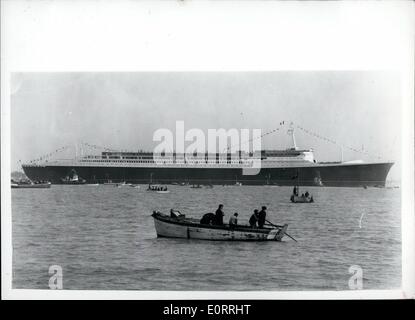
(157, 188)
(190, 228)
(304, 198)
(301, 199)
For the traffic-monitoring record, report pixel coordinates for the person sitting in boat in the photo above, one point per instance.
(219, 215)
(306, 194)
(208, 218)
(253, 219)
(233, 221)
(262, 217)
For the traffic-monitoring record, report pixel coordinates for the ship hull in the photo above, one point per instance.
(341, 175)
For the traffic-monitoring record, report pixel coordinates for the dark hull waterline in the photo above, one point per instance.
(31, 186)
(342, 175)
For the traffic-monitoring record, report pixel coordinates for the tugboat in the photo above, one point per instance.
(72, 178)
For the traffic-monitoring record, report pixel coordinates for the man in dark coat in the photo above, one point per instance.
(208, 218)
(253, 219)
(262, 216)
(219, 215)
(295, 191)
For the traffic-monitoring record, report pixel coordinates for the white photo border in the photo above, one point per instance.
(134, 36)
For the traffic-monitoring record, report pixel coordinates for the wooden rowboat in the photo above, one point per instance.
(189, 228)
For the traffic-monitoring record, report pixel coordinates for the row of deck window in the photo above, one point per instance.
(185, 162)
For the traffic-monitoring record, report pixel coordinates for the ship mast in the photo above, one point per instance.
(291, 132)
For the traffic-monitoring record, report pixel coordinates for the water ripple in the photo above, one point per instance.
(104, 238)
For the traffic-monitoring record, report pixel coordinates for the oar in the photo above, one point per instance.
(280, 227)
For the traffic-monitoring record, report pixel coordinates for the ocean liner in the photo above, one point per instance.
(292, 166)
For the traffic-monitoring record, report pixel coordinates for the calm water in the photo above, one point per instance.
(104, 238)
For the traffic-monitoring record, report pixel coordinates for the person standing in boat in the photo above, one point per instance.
(219, 215)
(233, 221)
(253, 219)
(262, 217)
(295, 191)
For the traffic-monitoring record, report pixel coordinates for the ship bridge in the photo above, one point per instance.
(289, 155)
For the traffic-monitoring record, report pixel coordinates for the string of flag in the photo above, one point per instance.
(318, 136)
(49, 155)
(60, 150)
(261, 136)
(96, 147)
(281, 124)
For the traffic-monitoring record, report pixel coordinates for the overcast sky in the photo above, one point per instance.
(122, 110)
